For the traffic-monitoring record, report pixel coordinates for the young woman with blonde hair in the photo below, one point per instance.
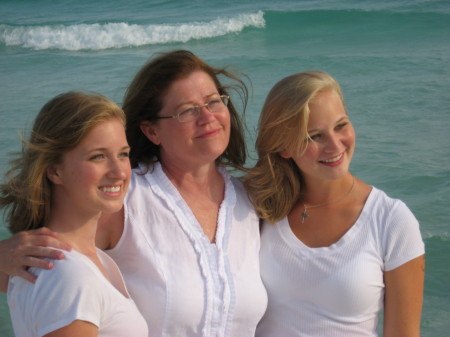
(74, 167)
(335, 251)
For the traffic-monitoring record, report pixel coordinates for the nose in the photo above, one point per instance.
(119, 168)
(206, 115)
(333, 143)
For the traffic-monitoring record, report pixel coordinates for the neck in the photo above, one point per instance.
(320, 192)
(332, 202)
(74, 227)
(203, 183)
(199, 176)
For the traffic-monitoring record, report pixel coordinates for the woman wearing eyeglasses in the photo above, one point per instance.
(187, 240)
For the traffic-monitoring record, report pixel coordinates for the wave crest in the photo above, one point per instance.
(120, 35)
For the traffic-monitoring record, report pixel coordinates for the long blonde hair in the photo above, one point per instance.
(275, 183)
(60, 125)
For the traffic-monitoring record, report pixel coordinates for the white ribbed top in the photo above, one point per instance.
(336, 291)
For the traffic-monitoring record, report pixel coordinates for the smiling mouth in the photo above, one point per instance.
(209, 134)
(111, 189)
(332, 160)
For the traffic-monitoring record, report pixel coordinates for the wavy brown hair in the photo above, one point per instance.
(144, 98)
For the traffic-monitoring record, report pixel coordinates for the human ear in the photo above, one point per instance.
(53, 174)
(149, 130)
(284, 154)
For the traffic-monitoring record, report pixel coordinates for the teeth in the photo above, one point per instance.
(333, 159)
(110, 189)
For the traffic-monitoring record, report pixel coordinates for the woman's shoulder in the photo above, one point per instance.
(140, 175)
(237, 183)
(143, 183)
(399, 230)
(64, 277)
(69, 269)
(391, 216)
(382, 203)
(242, 196)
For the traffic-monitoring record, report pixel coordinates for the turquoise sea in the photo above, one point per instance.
(392, 58)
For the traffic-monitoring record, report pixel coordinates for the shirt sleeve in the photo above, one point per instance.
(402, 237)
(60, 296)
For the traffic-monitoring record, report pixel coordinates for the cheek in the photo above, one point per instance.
(127, 170)
(225, 122)
(88, 176)
(349, 142)
(308, 158)
(224, 119)
(311, 152)
(176, 136)
(351, 135)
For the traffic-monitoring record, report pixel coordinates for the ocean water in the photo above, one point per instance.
(392, 58)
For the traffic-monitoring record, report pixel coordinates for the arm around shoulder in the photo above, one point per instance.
(28, 249)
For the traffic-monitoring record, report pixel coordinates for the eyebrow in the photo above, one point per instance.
(337, 122)
(103, 149)
(193, 103)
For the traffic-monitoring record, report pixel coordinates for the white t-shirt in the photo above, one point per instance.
(183, 284)
(335, 291)
(74, 289)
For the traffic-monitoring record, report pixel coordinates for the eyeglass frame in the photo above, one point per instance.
(197, 109)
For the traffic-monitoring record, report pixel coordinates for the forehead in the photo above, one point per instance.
(110, 132)
(325, 96)
(326, 106)
(196, 84)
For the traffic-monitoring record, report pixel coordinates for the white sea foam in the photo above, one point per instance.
(119, 35)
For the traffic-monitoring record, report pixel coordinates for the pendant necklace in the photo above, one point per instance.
(305, 213)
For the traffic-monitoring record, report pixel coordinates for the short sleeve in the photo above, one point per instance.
(59, 297)
(402, 237)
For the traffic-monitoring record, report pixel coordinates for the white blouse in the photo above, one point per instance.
(182, 283)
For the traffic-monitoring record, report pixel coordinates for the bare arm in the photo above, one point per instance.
(27, 249)
(75, 329)
(403, 299)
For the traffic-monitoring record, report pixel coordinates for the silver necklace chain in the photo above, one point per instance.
(305, 212)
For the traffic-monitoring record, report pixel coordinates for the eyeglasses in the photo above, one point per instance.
(216, 104)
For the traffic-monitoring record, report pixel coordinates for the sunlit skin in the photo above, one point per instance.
(325, 168)
(194, 143)
(188, 153)
(189, 150)
(330, 150)
(90, 179)
(94, 176)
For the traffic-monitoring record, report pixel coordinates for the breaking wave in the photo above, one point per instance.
(120, 35)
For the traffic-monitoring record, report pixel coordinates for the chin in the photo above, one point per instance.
(113, 208)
